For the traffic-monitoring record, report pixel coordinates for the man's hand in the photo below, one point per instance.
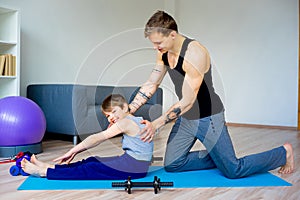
(147, 133)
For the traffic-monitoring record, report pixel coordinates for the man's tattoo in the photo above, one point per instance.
(174, 114)
(144, 95)
(156, 70)
(134, 104)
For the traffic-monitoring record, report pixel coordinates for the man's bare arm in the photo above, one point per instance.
(148, 89)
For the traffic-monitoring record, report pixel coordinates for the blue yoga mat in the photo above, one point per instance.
(192, 179)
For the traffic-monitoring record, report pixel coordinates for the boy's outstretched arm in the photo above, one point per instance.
(90, 142)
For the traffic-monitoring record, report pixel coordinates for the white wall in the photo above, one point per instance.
(60, 37)
(254, 44)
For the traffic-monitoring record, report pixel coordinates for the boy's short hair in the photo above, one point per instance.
(160, 22)
(111, 101)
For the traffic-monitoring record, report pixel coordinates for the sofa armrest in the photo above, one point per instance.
(55, 101)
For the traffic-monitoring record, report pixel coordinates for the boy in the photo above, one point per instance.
(134, 162)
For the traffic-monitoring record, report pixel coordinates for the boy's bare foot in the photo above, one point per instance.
(289, 165)
(33, 169)
(39, 163)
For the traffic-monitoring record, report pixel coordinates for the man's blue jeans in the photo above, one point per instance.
(213, 134)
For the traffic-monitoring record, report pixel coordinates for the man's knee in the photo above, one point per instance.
(172, 166)
(232, 173)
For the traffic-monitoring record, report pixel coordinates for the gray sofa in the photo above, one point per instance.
(75, 109)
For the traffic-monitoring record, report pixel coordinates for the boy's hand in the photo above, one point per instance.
(67, 158)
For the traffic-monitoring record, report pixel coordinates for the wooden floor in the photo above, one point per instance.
(246, 141)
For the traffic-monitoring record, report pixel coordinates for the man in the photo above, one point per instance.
(199, 113)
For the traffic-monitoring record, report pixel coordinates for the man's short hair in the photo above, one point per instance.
(160, 22)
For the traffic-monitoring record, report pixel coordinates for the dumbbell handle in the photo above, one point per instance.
(166, 184)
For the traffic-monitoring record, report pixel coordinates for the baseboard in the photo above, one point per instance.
(261, 126)
(9, 151)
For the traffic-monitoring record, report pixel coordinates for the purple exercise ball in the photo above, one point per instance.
(22, 122)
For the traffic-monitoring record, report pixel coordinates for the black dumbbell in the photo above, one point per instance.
(156, 184)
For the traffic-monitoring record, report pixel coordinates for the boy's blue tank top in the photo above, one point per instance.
(134, 146)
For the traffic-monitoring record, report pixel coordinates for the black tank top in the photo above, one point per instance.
(208, 102)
